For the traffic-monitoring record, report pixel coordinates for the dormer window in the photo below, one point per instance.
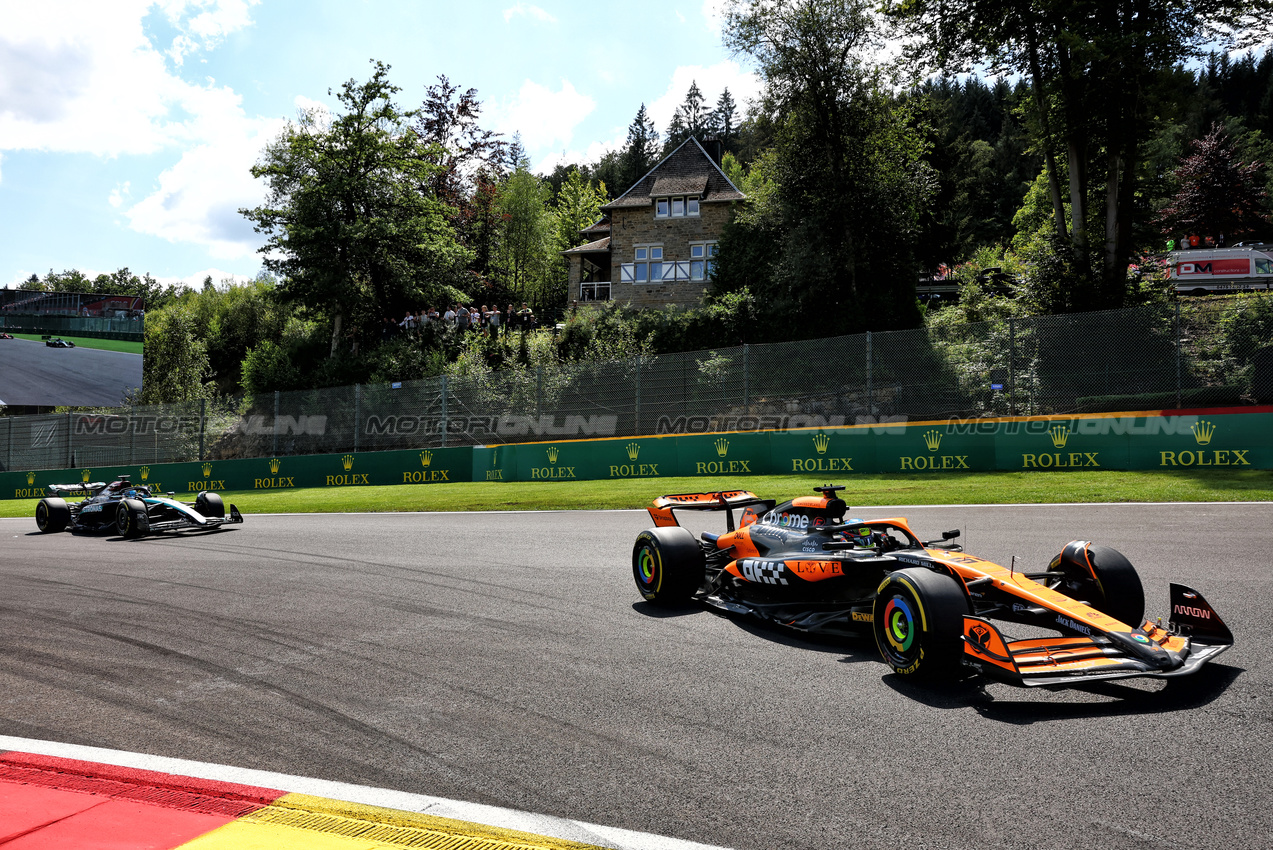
(677, 206)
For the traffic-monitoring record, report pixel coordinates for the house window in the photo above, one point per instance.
(594, 290)
(648, 265)
(702, 260)
(676, 207)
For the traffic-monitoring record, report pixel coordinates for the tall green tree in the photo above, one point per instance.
(350, 227)
(640, 152)
(525, 253)
(1097, 68)
(846, 171)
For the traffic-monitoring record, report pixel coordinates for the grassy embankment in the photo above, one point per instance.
(863, 491)
(90, 342)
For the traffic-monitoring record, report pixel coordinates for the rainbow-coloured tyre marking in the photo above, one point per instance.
(647, 569)
(899, 625)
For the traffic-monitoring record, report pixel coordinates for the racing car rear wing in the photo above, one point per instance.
(87, 489)
(662, 511)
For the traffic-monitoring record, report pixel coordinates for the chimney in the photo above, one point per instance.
(714, 147)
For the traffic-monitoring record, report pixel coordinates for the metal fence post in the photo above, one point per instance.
(357, 414)
(276, 423)
(203, 417)
(1012, 364)
(444, 422)
(636, 413)
(870, 368)
(539, 392)
(70, 448)
(746, 377)
(1178, 346)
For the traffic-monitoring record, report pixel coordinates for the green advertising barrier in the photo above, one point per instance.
(427, 466)
(1142, 441)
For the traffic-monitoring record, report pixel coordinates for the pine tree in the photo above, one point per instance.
(724, 117)
(642, 148)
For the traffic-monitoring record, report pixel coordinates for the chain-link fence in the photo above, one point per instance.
(1190, 354)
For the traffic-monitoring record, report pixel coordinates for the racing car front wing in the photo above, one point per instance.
(1194, 635)
(187, 523)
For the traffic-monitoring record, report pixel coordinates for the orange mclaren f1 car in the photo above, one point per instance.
(930, 605)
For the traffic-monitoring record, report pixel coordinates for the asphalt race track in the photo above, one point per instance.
(32, 373)
(506, 659)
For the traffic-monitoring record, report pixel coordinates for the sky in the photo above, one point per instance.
(128, 128)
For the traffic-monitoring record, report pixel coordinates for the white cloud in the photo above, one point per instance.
(82, 77)
(526, 10)
(87, 80)
(198, 199)
(118, 194)
(744, 86)
(543, 117)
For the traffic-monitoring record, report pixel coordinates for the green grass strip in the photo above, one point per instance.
(90, 342)
(863, 491)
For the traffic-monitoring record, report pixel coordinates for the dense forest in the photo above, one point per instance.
(1039, 153)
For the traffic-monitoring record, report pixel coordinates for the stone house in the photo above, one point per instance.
(656, 242)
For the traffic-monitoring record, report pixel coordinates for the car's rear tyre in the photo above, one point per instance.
(1103, 578)
(210, 505)
(668, 565)
(130, 519)
(918, 620)
(52, 514)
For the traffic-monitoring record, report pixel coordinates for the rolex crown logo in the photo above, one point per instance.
(821, 442)
(634, 450)
(722, 447)
(145, 472)
(1202, 431)
(552, 454)
(426, 457)
(932, 439)
(86, 474)
(207, 470)
(1060, 434)
(348, 462)
(274, 465)
(30, 478)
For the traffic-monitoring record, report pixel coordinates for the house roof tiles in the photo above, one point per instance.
(685, 171)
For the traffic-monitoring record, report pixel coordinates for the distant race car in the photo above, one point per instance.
(128, 509)
(801, 565)
(58, 342)
(6, 336)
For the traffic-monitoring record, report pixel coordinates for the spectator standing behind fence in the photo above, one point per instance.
(408, 322)
(462, 318)
(449, 315)
(509, 319)
(492, 321)
(527, 317)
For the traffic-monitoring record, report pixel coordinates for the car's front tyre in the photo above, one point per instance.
(1102, 577)
(130, 519)
(52, 514)
(668, 565)
(210, 505)
(918, 621)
